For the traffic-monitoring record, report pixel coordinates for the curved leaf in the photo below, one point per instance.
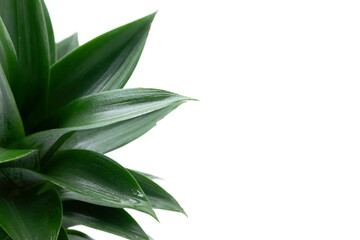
(113, 136)
(62, 235)
(11, 126)
(26, 158)
(109, 107)
(20, 215)
(3, 234)
(30, 39)
(8, 58)
(67, 45)
(22, 177)
(157, 196)
(42, 141)
(108, 138)
(102, 64)
(112, 220)
(50, 33)
(76, 235)
(97, 177)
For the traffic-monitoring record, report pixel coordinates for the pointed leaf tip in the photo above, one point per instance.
(102, 64)
(97, 179)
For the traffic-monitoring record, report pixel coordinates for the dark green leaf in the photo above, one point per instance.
(32, 47)
(8, 59)
(116, 135)
(23, 178)
(26, 158)
(112, 220)
(157, 196)
(96, 177)
(3, 234)
(67, 45)
(76, 235)
(50, 33)
(11, 127)
(102, 64)
(32, 215)
(62, 235)
(109, 107)
(43, 141)
(107, 138)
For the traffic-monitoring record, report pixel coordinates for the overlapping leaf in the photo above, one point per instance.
(20, 215)
(157, 196)
(105, 109)
(112, 220)
(102, 64)
(31, 43)
(42, 141)
(77, 103)
(108, 138)
(67, 45)
(3, 234)
(96, 177)
(76, 235)
(109, 107)
(50, 33)
(62, 235)
(11, 126)
(26, 158)
(8, 58)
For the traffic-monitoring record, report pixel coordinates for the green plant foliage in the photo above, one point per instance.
(62, 107)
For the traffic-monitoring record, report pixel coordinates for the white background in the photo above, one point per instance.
(272, 149)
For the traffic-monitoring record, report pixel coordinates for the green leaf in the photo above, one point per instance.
(108, 138)
(67, 45)
(23, 178)
(26, 158)
(31, 43)
(3, 234)
(102, 64)
(11, 126)
(96, 177)
(32, 215)
(62, 235)
(8, 58)
(150, 176)
(157, 196)
(50, 33)
(109, 107)
(42, 141)
(76, 235)
(112, 220)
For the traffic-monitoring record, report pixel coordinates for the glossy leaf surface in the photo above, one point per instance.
(98, 177)
(109, 107)
(30, 39)
(157, 196)
(26, 158)
(67, 45)
(43, 141)
(11, 126)
(76, 235)
(115, 221)
(50, 33)
(102, 64)
(20, 215)
(8, 58)
(108, 138)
